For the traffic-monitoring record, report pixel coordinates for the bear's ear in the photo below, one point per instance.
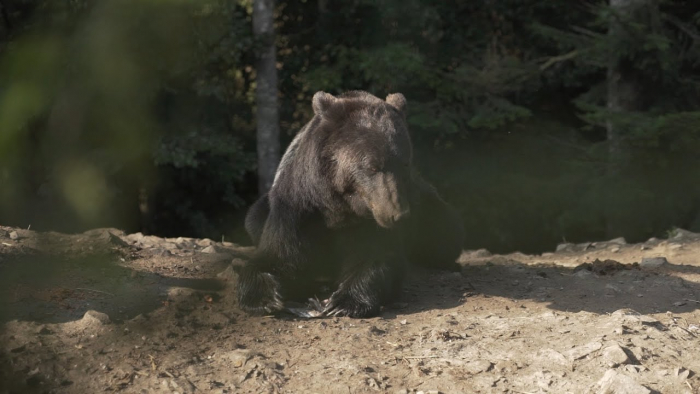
(398, 101)
(322, 102)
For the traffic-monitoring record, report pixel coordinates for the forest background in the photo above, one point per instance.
(541, 121)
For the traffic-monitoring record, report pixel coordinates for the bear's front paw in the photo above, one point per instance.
(342, 304)
(259, 293)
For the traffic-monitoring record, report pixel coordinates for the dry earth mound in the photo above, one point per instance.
(105, 311)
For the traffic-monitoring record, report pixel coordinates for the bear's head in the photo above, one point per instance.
(368, 153)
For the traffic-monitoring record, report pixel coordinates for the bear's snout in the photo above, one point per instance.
(392, 217)
(388, 200)
(401, 215)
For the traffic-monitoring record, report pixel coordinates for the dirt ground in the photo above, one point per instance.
(104, 311)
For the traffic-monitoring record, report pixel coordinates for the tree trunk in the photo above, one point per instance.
(624, 95)
(266, 94)
(623, 91)
(4, 23)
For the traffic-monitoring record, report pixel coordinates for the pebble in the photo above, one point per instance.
(96, 317)
(205, 242)
(564, 247)
(583, 350)
(238, 357)
(653, 262)
(615, 355)
(681, 373)
(14, 235)
(210, 249)
(481, 253)
(618, 241)
(477, 366)
(116, 240)
(614, 382)
(552, 357)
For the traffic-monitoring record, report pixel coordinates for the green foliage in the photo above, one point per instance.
(94, 104)
(107, 106)
(219, 157)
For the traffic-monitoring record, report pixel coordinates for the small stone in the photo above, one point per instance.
(116, 240)
(552, 357)
(238, 357)
(210, 249)
(169, 246)
(618, 241)
(679, 303)
(96, 317)
(477, 366)
(179, 293)
(135, 237)
(615, 249)
(635, 368)
(585, 246)
(680, 233)
(228, 274)
(481, 253)
(583, 274)
(44, 331)
(159, 252)
(506, 366)
(681, 373)
(611, 289)
(205, 242)
(653, 262)
(565, 247)
(614, 382)
(583, 350)
(14, 235)
(402, 391)
(615, 355)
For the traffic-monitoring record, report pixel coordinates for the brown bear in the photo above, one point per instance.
(346, 205)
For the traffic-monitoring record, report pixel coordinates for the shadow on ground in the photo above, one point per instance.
(56, 289)
(674, 288)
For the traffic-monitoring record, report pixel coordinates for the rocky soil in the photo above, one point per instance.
(104, 311)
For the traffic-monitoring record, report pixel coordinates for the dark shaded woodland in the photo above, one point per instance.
(540, 121)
